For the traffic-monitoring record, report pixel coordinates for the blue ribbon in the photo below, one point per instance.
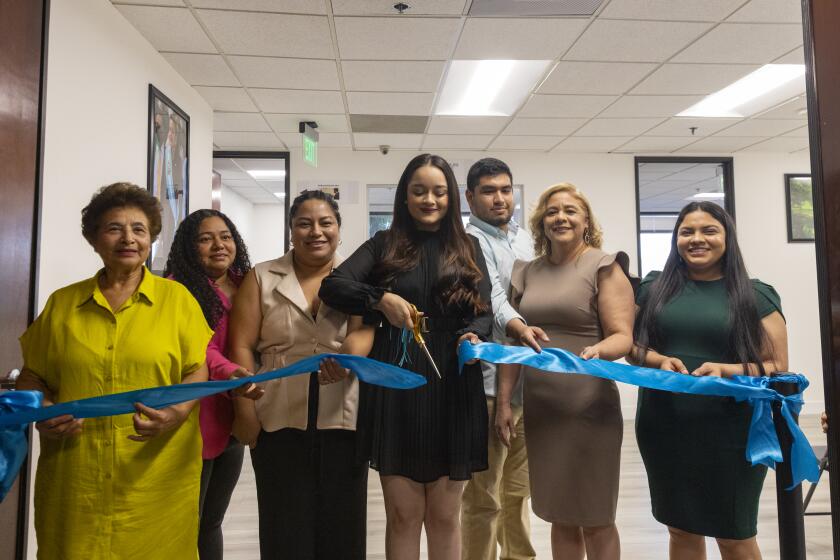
(763, 446)
(19, 408)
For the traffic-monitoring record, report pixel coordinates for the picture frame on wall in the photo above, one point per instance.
(168, 170)
(799, 204)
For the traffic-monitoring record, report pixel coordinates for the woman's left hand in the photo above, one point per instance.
(331, 372)
(472, 338)
(708, 369)
(156, 421)
(590, 353)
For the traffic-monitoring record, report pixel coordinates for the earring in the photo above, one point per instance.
(587, 238)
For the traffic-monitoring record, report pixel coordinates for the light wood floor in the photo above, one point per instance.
(641, 536)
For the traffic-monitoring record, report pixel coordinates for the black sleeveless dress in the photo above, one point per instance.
(439, 429)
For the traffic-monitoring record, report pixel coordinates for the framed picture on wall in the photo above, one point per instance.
(799, 202)
(168, 169)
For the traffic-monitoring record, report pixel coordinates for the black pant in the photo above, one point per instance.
(218, 479)
(312, 495)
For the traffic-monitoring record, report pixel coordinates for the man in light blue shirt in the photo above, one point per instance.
(495, 504)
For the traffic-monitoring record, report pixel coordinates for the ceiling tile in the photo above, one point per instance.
(284, 6)
(617, 127)
(796, 56)
(384, 38)
(457, 141)
(202, 69)
(334, 140)
(265, 34)
(591, 144)
(517, 39)
(152, 2)
(543, 127)
(298, 101)
(671, 10)
(377, 103)
(246, 139)
(760, 127)
(681, 126)
(389, 75)
(467, 125)
(565, 105)
(399, 141)
(694, 79)
(297, 73)
(168, 29)
(781, 144)
(291, 140)
(650, 105)
(654, 144)
(720, 144)
(227, 99)
(239, 122)
(595, 77)
(769, 11)
(801, 132)
(795, 109)
(283, 123)
(743, 42)
(634, 41)
(525, 142)
(386, 7)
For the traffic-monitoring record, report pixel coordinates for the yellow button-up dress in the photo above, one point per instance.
(101, 495)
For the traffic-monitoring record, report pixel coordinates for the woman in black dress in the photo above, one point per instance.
(426, 442)
(704, 316)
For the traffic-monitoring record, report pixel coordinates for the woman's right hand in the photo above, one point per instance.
(249, 390)
(396, 310)
(673, 364)
(60, 427)
(505, 427)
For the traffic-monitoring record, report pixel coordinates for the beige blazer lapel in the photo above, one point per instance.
(288, 285)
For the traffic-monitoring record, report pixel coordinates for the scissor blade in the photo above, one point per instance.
(431, 360)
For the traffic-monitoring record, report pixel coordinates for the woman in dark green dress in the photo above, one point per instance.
(702, 315)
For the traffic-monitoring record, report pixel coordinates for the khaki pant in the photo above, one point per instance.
(495, 506)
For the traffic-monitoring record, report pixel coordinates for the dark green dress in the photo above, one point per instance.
(694, 446)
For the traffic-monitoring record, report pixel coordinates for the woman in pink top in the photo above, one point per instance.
(209, 257)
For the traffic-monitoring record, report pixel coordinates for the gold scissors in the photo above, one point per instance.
(419, 323)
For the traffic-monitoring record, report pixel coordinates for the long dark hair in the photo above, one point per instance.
(459, 274)
(747, 336)
(183, 264)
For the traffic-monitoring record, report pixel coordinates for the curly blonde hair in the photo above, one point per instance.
(542, 246)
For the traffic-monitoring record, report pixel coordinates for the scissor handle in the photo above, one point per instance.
(417, 319)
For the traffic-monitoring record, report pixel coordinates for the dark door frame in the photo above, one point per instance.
(266, 155)
(728, 188)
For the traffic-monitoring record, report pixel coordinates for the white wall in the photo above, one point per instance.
(240, 211)
(98, 75)
(266, 242)
(609, 182)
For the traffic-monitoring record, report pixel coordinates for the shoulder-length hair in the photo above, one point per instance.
(459, 274)
(184, 266)
(747, 337)
(542, 246)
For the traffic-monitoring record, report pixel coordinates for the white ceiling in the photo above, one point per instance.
(667, 187)
(616, 82)
(235, 176)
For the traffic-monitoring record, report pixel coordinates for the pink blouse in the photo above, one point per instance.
(216, 412)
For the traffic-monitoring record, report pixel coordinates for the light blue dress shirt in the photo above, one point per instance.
(501, 249)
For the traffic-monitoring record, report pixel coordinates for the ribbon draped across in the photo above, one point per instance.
(18, 408)
(763, 446)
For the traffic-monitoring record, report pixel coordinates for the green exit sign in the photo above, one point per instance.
(310, 151)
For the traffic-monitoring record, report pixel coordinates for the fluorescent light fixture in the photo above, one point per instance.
(267, 174)
(710, 195)
(488, 87)
(769, 85)
(280, 194)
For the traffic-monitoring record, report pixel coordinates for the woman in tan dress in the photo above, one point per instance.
(582, 298)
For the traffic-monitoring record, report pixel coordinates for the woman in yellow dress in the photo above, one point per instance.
(122, 486)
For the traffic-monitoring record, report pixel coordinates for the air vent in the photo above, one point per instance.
(391, 124)
(522, 8)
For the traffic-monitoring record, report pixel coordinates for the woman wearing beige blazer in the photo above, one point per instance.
(311, 489)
